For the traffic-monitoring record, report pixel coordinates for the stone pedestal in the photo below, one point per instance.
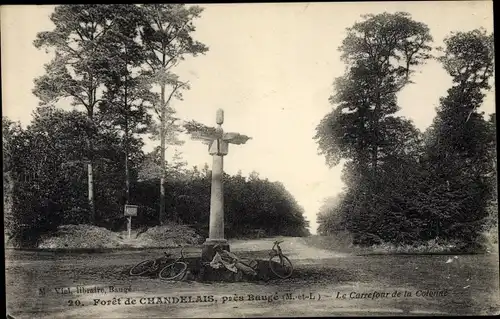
(208, 252)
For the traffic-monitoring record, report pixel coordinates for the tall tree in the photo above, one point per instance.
(74, 72)
(167, 38)
(459, 142)
(127, 95)
(381, 53)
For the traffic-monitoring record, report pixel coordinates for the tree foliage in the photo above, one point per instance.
(76, 70)
(252, 205)
(79, 34)
(108, 59)
(460, 141)
(49, 181)
(381, 53)
(404, 186)
(167, 37)
(48, 173)
(127, 94)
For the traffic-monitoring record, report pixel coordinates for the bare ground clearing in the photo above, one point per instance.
(471, 283)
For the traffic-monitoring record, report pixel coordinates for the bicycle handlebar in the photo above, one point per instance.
(278, 242)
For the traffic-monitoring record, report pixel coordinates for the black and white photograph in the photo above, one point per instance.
(248, 160)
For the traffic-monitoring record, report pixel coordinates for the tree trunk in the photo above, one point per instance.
(375, 159)
(375, 131)
(162, 157)
(90, 168)
(127, 174)
(363, 151)
(90, 182)
(90, 179)
(127, 177)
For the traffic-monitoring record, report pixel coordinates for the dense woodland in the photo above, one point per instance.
(115, 65)
(404, 186)
(49, 181)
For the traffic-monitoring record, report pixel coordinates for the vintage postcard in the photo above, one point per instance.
(249, 160)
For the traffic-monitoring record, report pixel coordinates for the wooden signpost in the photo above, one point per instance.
(129, 211)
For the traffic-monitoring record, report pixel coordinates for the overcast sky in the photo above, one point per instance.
(271, 68)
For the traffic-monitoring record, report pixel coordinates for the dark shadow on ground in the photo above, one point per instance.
(202, 272)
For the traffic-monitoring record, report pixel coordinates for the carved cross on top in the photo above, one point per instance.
(215, 137)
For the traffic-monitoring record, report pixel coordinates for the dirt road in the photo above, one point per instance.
(325, 283)
(296, 247)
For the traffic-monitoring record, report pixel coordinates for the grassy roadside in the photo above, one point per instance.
(343, 243)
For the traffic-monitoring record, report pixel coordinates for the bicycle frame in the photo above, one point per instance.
(177, 275)
(181, 258)
(159, 261)
(276, 250)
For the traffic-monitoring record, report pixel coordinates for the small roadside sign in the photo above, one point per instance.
(130, 210)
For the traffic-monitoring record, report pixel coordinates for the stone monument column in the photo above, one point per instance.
(218, 142)
(218, 149)
(216, 228)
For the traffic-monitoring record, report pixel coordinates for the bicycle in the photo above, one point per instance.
(279, 264)
(149, 266)
(174, 270)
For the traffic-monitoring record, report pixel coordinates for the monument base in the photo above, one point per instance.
(208, 252)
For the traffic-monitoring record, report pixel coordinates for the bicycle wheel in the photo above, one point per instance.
(173, 271)
(281, 266)
(142, 268)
